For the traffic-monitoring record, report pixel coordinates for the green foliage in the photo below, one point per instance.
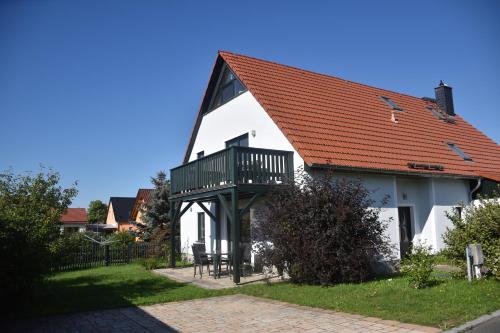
(479, 224)
(63, 249)
(122, 238)
(151, 263)
(418, 265)
(97, 211)
(30, 209)
(156, 213)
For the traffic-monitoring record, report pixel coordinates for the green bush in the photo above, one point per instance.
(30, 208)
(151, 263)
(418, 265)
(122, 239)
(479, 224)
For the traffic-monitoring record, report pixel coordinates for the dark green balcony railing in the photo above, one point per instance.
(233, 166)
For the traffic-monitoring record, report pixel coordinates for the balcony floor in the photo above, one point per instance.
(185, 274)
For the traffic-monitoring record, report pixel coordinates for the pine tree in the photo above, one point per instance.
(156, 213)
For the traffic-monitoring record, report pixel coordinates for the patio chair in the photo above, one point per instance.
(200, 258)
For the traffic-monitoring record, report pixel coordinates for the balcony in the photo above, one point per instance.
(234, 166)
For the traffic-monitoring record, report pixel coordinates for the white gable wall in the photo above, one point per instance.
(241, 115)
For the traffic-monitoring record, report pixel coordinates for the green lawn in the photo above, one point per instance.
(110, 287)
(448, 303)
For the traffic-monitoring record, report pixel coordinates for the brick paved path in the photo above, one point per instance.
(235, 313)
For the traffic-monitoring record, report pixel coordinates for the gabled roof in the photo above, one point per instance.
(143, 196)
(74, 215)
(343, 124)
(122, 207)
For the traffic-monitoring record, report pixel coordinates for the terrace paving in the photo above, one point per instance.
(235, 313)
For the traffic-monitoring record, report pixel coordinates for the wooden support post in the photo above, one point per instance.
(218, 222)
(173, 217)
(236, 235)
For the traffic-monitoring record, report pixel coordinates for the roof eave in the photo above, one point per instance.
(390, 172)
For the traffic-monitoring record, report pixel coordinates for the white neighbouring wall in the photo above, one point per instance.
(428, 197)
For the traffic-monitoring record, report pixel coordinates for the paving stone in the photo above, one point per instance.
(237, 313)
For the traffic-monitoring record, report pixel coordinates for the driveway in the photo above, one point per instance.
(235, 313)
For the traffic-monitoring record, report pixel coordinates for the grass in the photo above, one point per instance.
(448, 303)
(109, 287)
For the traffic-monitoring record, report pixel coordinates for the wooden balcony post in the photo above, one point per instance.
(236, 235)
(172, 233)
(289, 166)
(233, 165)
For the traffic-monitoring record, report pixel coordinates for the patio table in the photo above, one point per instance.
(217, 262)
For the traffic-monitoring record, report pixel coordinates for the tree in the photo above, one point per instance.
(156, 213)
(479, 223)
(30, 209)
(97, 211)
(321, 231)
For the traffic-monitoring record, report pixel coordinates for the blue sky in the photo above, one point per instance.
(106, 92)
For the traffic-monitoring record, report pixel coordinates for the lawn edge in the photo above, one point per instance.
(474, 323)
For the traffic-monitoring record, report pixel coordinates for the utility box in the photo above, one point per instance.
(477, 254)
(475, 259)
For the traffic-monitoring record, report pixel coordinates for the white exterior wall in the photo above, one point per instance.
(428, 197)
(240, 115)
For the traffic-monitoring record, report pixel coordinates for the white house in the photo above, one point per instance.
(260, 120)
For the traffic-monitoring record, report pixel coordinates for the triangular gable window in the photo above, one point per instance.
(228, 87)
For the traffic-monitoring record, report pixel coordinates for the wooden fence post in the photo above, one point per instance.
(106, 255)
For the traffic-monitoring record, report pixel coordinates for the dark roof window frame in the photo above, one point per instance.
(391, 103)
(234, 84)
(459, 151)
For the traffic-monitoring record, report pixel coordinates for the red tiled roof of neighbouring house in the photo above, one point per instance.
(331, 121)
(143, 196)
(74, 215)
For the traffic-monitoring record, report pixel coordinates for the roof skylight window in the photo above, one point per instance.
(391, 103)
(459, 152)
(441, 115)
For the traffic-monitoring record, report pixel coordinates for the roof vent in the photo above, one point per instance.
(444, 98)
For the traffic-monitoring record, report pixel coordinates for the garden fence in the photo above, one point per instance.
(94, 255)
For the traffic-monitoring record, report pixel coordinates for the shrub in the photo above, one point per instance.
(418, 265)
(480, 224)
(30, 208)
(151, 263)
(122, 239)
(321, 231)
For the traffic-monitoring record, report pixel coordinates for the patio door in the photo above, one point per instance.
(405, 230)
(245, 235)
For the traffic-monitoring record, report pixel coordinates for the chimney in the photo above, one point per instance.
(444, 98)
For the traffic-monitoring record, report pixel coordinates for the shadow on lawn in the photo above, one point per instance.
(70, 297)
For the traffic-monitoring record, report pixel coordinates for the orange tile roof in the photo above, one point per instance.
(333, 121)
(74, 215)
(143, 196)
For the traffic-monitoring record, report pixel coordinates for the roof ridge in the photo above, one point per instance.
(317, 73)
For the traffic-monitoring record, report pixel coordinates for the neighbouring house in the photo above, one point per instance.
(141, 199)
(74, 220)
(259, 121)
(119, 209)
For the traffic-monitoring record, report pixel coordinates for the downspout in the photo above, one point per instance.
(479, 180)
